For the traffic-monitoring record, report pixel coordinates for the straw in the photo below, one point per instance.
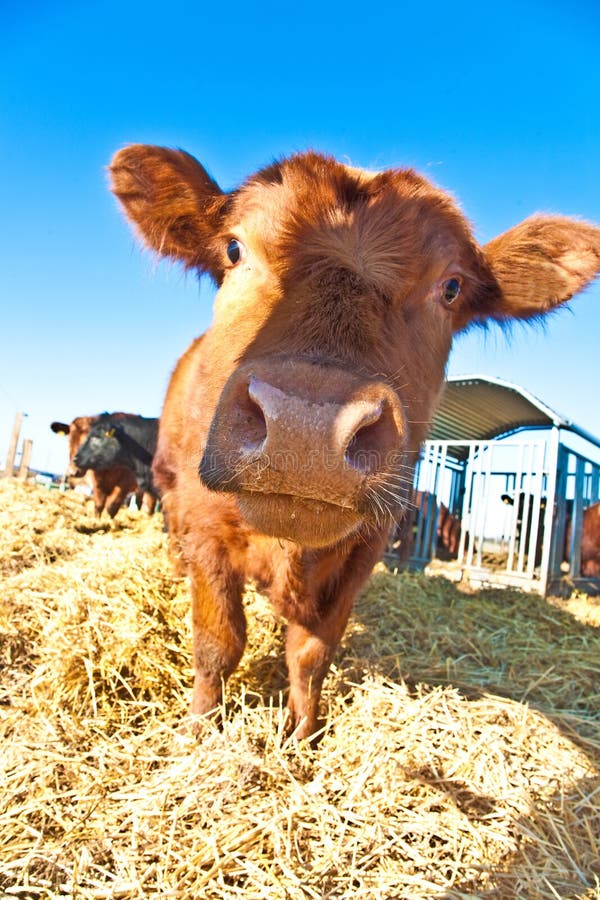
(459, 757)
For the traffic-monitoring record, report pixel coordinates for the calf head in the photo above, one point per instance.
(77, 432)
(101, 448)
(340, 291)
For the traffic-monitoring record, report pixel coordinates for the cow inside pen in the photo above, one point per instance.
(524, 501)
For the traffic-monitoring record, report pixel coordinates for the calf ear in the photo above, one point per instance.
(538, 265)
(174, 204)
(60, 427)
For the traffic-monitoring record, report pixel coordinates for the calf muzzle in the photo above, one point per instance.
(305, 446)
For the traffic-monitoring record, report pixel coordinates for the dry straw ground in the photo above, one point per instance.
(460, 759)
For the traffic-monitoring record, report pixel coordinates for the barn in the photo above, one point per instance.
(513, 478)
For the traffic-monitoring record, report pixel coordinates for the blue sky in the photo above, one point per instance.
(500, 104)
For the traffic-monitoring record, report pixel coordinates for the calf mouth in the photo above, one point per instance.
(313, 511)
(304, 520)
(310, 513)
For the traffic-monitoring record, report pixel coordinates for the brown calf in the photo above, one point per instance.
(590, 541)
(109, 487)
(424, 507)
(290, 428)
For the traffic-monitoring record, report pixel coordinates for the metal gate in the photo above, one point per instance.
(502, 493)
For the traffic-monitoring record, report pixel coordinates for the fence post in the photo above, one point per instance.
(12, 446)
(25, 460)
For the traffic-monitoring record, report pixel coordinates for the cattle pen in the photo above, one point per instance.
(518, 478)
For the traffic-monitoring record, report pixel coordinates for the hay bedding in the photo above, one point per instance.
(460, 758)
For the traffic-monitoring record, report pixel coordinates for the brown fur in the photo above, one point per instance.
(330, 335)
(590, 541)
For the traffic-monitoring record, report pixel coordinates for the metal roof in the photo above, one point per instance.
(482, 407)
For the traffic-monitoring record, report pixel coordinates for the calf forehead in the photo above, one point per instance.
(103, 427)
(312, 211)
(78, 432)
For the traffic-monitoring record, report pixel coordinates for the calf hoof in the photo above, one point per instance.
(303, 728)
(200, 727)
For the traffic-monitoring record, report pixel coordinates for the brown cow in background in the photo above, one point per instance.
(110, 487)
(590, 540)
(590, 532)
(421, 506)
(304, 405)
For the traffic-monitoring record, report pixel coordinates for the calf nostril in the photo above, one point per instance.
(253, 424)
(367, 449)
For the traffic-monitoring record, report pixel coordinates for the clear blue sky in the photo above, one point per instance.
(499, 103)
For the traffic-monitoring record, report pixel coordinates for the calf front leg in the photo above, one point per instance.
(115, 501)
(99, 498)
(219, 635)
(311, 645)
(309, 651)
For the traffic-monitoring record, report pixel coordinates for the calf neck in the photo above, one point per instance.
(290, 428)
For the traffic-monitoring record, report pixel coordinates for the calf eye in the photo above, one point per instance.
(235, 251)
(451, 290)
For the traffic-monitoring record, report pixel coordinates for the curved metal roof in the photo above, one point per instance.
(482, 407)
